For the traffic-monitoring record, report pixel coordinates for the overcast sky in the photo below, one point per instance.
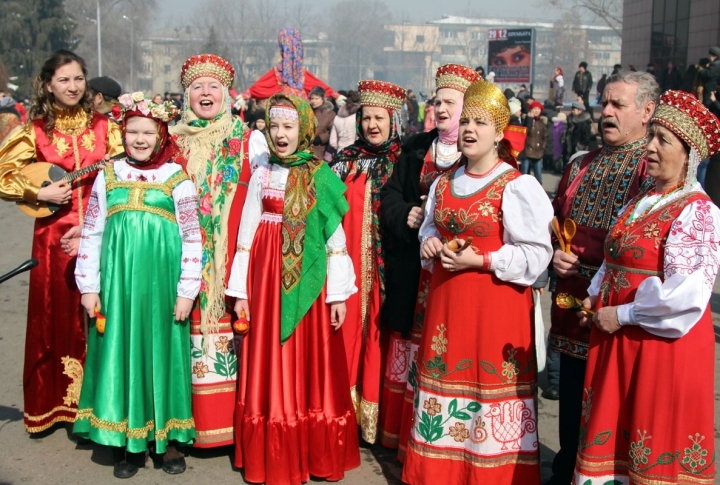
(417, 11)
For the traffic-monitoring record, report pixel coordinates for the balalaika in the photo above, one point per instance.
(42, 174)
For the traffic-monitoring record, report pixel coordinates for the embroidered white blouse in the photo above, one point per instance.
(527, 214)
(271, 180)
(670, 308)
(87, 270)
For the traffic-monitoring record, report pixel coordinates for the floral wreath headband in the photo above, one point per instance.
(139, 105)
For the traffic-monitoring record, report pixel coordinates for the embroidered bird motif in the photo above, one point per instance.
(509, 422)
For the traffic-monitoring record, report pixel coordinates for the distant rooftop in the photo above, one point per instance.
(491, 22)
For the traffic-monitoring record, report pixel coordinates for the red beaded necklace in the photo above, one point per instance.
(627, 221)
(484, 174)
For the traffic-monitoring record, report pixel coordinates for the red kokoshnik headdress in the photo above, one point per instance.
(381, 94)
(455, 76)
(690, 120)
(207, 65)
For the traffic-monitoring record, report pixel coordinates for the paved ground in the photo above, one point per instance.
(56, 460)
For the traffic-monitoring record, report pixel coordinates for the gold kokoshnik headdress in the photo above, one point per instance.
(485, 100)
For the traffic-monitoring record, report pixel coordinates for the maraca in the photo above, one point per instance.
(99, 321)
(241, 325)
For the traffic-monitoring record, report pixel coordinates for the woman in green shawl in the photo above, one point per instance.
(291, 276)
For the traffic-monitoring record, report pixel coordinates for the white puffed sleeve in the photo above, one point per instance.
(672, 307)
(87, 269)
(252, 211)
(259, 152)
(340, 271)
(428, 228)
(186, 214)
(597, 280)
(527, 214)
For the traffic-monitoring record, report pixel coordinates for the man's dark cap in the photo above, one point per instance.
(106, 86)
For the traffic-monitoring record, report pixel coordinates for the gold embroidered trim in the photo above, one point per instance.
(142, 208)
(76, 153)
(452, 81)
(369, 420)
(370, 98)
(367, 268)
(74, 370)
(214, 432)
(54, 410)
(135, 433)
(479, 461)
(613, 468)
(337, 252)
(71, 122)
(202, 390)
(242, 249)
(40, 429)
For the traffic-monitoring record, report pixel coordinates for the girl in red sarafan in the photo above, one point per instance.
(291, 276)
(488, 240)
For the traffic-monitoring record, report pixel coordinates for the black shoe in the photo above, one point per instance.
(551, 393)
(124, 469)
(174, 466)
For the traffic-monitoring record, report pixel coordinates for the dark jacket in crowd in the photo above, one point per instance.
(601, 84)
(325, 116)
(710, 78)
(548, 114)
(402, 272)
(582, 83)
(537, 136)
(578, 133)
(672, 79)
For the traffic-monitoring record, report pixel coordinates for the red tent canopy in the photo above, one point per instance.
(269, 84)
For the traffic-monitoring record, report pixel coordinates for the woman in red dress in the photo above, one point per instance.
(294, 416)
(475, 388)
(65, 130)
(365, 167)
(648, 408)
(424, 158)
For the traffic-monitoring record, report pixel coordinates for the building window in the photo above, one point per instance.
(475, 35)
(310, 53)
(670, 31)
(167, 50)
(420, 38)
(167, 68)
(312, 68)
(168, 88)
(389, 38)
(449, 34)
(146, 67)
(451, 50)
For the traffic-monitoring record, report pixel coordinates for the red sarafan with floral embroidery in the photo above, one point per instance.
(648, 405)
(475, 374)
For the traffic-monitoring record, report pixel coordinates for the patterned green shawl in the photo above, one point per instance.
(313, 209)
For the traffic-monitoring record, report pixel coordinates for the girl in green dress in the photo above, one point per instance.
(139, 265)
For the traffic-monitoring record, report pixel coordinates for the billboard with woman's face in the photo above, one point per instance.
(510, 55)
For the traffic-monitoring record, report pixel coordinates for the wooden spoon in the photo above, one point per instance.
(455, 247)
(568, 302)
(569, 229)
(556, 231)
